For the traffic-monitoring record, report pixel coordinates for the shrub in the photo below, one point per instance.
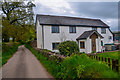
(68, 47)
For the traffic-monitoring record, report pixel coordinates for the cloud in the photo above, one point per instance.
(106, 11)
(54, 7)
(96, 9)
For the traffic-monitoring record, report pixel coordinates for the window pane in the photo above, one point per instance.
(55, 46)
(74, 29)
(53, 29)
(110, 37)
(83, 45)
(101, 43)
(80, 44)
(57, 29)
(103, 30)
(94, 28)
(70, 28)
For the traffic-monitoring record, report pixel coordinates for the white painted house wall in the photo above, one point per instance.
(39, 35)
(88, 46)
(50, 37)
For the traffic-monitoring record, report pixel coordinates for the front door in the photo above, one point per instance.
(94, 45)
(93, 38)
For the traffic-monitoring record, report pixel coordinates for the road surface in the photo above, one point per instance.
(24, 64)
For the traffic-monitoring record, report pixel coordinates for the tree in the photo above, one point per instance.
(18, 11)
(18, 22)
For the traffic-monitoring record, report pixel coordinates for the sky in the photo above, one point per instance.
(106, 11)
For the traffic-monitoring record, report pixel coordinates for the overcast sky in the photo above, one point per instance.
(106, 11)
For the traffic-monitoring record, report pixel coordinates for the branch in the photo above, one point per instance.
(17, 20)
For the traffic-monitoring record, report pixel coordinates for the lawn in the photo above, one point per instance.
(113, 55)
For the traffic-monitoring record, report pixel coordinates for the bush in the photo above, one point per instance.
(68, 47)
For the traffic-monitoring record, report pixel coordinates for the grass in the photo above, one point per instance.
(76, 66)
(113, 55)
(8, 49)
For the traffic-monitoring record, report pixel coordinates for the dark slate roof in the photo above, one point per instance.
(86, 34)
(69, 21)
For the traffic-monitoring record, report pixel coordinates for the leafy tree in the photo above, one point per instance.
(18, 22)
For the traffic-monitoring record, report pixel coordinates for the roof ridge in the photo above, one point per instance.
(67, 17)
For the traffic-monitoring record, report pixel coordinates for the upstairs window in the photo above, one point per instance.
(72, 29)
(103, 30)
(55, 46)
(82, 44)
(94, 28)
(55, 29)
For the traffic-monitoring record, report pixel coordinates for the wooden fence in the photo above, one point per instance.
(114, 64)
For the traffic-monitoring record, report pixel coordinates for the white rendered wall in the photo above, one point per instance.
(98, 45)
(39, 35)
(83, 50)
(64, 35)
(106, 36)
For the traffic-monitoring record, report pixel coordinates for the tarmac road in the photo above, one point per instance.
(24, 64)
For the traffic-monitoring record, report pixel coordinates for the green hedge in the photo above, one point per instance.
(8, 49)
(68, 47)
(76, 66)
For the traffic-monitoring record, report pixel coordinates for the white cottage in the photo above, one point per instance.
(90, 34)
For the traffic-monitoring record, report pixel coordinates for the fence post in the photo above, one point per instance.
(96, 57)
(102, 58)
(117, 65)
(92, 56)
(113, 64)
(109, 62)
(105, 59)
(99, 58)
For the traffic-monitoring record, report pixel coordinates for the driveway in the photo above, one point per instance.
(24, 64)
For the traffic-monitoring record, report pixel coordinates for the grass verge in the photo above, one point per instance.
(8, 49)
(76, 66)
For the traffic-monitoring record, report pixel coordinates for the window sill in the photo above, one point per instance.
(82, 48)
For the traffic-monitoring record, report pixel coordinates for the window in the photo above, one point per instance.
(103, 30)
(110, 37)
(82, 44)
(55, 29)
(72, 29)
(101, 43)
(94, 28)
(55, 46)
